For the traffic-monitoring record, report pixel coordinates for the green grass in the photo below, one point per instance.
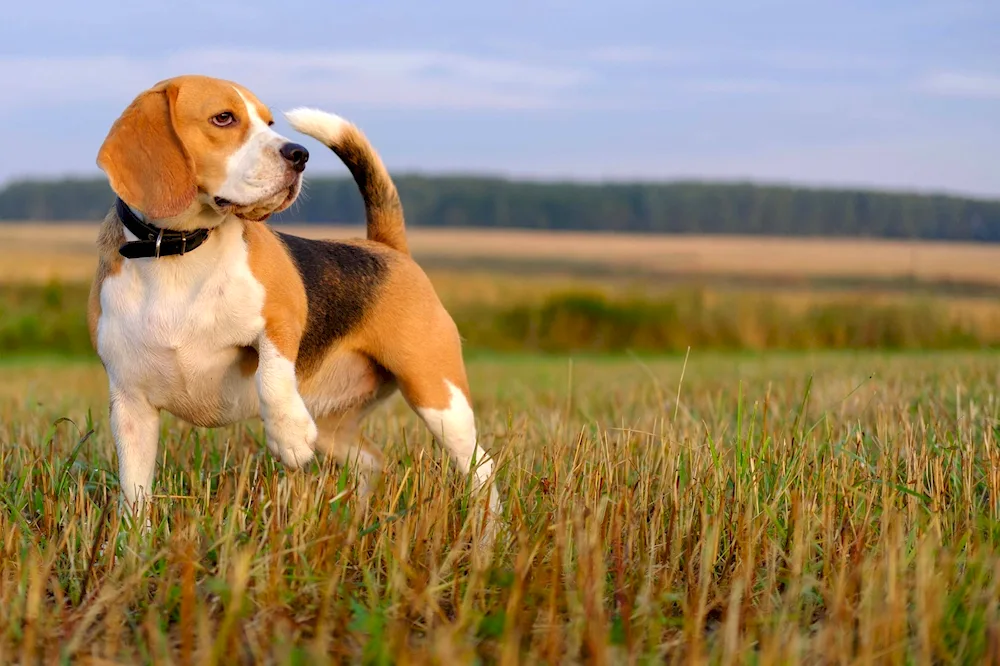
(47, 319)
(780, 508)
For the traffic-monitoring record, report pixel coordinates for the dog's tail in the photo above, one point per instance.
(383, 210)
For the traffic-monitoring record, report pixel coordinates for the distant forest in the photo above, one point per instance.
(677, 207)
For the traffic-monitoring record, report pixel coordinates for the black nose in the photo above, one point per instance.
(296, 155)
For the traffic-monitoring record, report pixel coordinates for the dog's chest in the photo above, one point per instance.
(176, 335)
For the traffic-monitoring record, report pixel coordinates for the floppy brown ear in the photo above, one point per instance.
(144, 159)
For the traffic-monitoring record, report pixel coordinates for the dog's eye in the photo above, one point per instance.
(223, 119)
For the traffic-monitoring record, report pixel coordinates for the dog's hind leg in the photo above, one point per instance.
(340, 437)
(434, 385)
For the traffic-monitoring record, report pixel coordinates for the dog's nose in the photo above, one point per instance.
(296, 155)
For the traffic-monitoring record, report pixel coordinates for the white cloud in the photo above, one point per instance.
(736, 86)
(975, 85)
(776, 59)
(392, 78)
(631, 55)
(820, 61)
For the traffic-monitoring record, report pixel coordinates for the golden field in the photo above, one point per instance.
(65, 252)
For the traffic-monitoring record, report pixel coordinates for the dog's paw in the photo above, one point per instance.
(492, 520)
(291, 435)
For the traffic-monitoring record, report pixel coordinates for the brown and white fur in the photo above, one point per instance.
(308, 335)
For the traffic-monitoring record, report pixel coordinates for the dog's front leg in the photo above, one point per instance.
(135, 427)
(290, 430)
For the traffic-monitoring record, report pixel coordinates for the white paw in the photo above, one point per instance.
(291, 435)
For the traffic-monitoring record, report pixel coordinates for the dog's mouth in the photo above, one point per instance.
(263, 208)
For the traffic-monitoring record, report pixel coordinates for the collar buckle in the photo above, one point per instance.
(159, 239)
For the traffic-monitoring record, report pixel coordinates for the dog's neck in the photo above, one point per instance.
(199, 215)
(162, 238)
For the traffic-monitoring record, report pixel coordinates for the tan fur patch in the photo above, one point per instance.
(285, 305)
(423, 375)
(414, 338)
(110, 237)
(146, 161)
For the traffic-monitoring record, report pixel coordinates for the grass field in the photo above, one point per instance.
(786, 508)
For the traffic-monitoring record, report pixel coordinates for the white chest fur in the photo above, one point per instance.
(171, 330)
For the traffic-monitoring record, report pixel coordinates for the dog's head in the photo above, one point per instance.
(193, 142)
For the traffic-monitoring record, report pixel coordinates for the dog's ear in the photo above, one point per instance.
(146, 162)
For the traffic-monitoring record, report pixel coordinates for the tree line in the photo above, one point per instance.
(673, 207)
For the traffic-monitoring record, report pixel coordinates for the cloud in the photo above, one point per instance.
(775, 59)
(736, 86)
(969, 85)
(642, 55)
(421, 79)
(425, 79)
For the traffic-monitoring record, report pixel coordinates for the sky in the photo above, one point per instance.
(896, 94)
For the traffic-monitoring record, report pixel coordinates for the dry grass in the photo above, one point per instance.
(761, 518)
(65, 252)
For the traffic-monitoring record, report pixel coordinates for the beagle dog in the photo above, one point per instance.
(201, 309)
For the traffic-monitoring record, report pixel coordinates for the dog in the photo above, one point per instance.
(201, 309)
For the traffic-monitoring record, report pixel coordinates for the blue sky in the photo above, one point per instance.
(903, 94)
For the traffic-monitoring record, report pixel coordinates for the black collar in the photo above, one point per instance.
(154, 241)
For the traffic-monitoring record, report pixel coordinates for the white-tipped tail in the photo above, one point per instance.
(383, 209)
(320, 125)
